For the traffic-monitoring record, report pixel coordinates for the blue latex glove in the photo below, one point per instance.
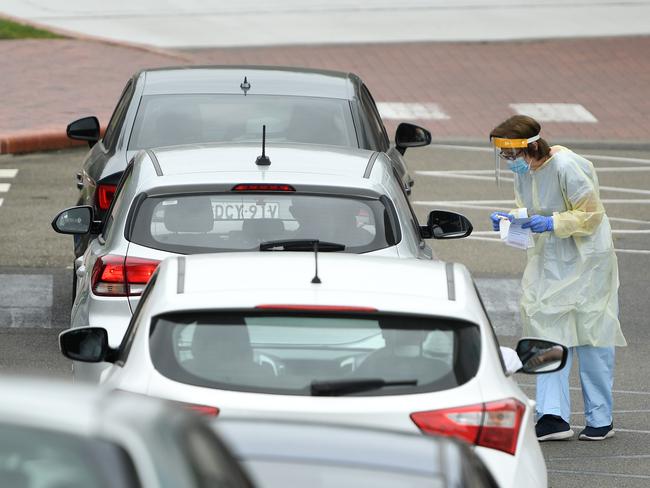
(496, 218)
(539, 224)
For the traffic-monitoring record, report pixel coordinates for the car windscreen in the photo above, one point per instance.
(36, 457)
(166, 120)
(241, 221)
(312, 354)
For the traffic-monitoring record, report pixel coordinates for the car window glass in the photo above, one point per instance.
(374, 120)
(240, 221)
(117, 202)
(165, 120)
(39, 458)
(285, 353)
(114, 125)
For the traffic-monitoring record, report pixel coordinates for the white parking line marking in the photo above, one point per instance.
(625, 456)
(618, 412)
(623, 392)
(600, 473)
(470, 176)
(4, 187)
(555, 112)
(413, 111)
(487, 148)
(498, 240)
(8, 173)
(461, 203)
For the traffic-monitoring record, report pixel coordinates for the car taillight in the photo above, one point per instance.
(262, 187)
(494, 425)
(117, 276)
(105, 194)
(202, 409)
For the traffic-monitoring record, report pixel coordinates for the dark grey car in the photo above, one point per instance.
(288, 453)
(195, 105)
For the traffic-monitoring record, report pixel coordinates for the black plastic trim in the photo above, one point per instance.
(371, 163)
(155, 162)
(451, 284)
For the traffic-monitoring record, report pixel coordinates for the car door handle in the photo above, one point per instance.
(80, 181)
(81, 271)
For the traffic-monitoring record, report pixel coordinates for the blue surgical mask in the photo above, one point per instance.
(519, 166)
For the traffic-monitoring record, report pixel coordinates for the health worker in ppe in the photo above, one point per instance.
(570, 283)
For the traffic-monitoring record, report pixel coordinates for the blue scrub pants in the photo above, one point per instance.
(596, 378)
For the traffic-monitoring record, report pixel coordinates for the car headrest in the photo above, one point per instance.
(263, 228)
(190, 214)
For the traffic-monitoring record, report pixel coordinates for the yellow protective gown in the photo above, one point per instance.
(570, 284)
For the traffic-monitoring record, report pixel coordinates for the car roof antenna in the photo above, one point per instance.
(316, 279)
(263, 160)
(245, 86)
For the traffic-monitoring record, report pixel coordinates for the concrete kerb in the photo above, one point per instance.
(97, 39)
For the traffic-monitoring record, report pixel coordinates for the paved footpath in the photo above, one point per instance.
(582, 89)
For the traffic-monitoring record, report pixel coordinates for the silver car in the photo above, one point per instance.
(220, 198)
(58, 435)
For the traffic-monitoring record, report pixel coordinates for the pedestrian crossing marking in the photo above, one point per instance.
(411, 111)
(8, 173)
(4, 187)
(555, 112)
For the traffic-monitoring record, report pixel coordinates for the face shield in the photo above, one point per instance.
(508, 150)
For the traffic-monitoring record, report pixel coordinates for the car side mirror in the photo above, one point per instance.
(540, 356)
(86, 344)
(442, 224)
(86, 129)
(410, 135)
(76, 221)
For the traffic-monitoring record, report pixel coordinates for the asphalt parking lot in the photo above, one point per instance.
(35, 274)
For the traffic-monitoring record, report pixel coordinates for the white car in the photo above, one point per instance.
(58, 435)
(334, 337)
(200, 199)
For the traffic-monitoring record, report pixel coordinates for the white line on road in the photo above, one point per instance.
(8, 173)
(468, 176)
(461, 203)
(555, 112)
(1, 200)
(594, 157)
(498, 240)
(4, 187)
(618, 412)
(623, 392)
(411, 111)
(600, 473)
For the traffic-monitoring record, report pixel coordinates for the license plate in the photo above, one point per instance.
(246, 211)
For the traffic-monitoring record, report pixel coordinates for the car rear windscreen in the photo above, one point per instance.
(168, 120)
(241, 221)
(314, 354)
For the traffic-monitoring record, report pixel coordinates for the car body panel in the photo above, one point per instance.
(107, 159)
(418, 287)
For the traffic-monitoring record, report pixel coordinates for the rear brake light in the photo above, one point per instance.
(202, 409)
(263, 187)
(494, 425)
(316, 308)
(105, 194)
(118, 276)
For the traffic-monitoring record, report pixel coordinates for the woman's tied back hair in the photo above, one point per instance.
(523, 127)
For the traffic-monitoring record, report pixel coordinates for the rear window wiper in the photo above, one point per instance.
(345, 387)
(300, 245)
